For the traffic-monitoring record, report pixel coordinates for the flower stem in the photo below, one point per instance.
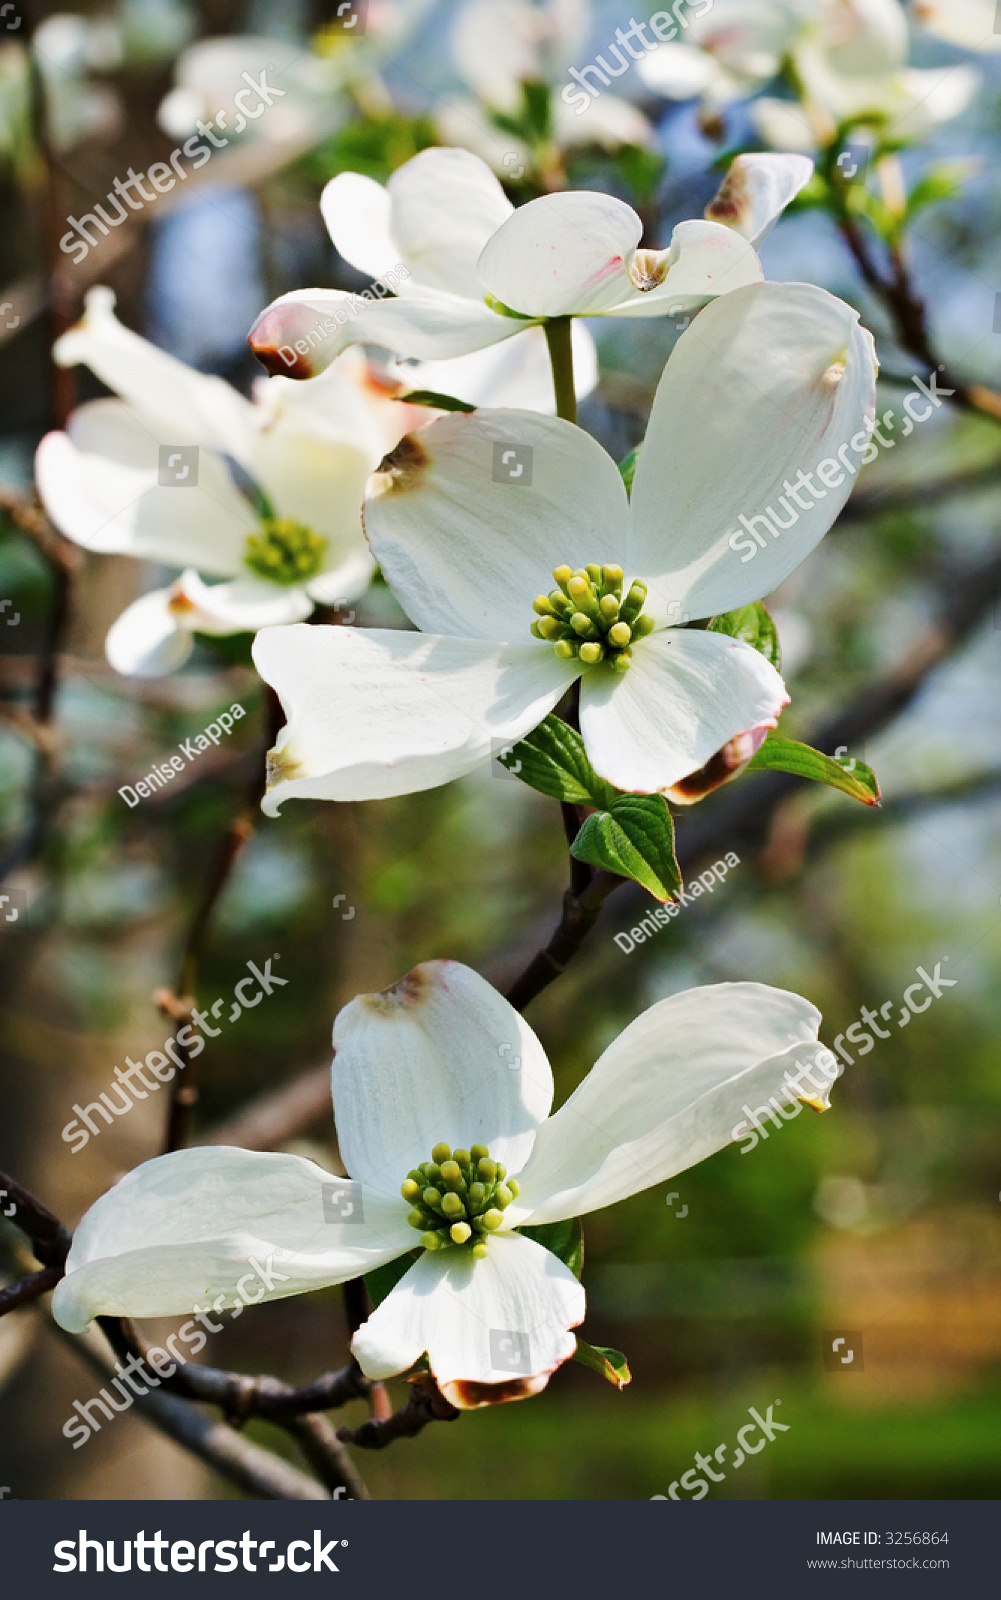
(561, 358)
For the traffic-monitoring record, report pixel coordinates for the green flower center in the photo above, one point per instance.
(587, 616)
(458, 1198)
(284, 551)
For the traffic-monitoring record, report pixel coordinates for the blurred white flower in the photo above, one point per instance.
(848, 57)
(442, 1097)
(149, 475)
(499, 47)
(480, 271)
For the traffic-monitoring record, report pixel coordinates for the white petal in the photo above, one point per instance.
(561, 254)
(704, 260)
(446, 203)
(300, 334)
(756, 191)
(373, 713)
(686, 694)
(319, 482)
(677, 71)
(439, 1058)
(347, 581)
(100, 485)
(784, 123)
(514, 1307)
(357, 212)
(192, 407)
(669, 1092)
(149, 639)
(969, 24)
(242, 606)
(495, 48)
(933, 95)
(515, 374)
(180, 1233)
(766, 384)
(465, 548)
(608, 121)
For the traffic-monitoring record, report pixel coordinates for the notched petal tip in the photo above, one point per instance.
(412, 990)
(727, 762)
(278, 357)
(400, 469)
(649, 268)
(282, 767)
(466, 1395)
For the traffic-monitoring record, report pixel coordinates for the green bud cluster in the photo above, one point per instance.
(458, 1198)
(587, 616)
(284, 551)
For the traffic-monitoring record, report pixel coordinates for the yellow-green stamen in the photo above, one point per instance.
(458, 1198)
(284, 551)
(586, 617)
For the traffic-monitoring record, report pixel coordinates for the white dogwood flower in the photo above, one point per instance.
(849, 58)
(479, 271)
(500, 47)
(442, 1097)
(472, 518)
(149, 475)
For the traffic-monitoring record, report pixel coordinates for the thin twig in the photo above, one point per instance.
(27, 1289)
(425, 1405)
(319, 1443)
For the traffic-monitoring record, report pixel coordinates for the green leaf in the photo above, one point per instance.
(382, 1280)
(611, 1364)
(553, 760)
(635, 838)
(438, 402)
(754, 625)
(627, 466)
(787, 755)
(564, 1239)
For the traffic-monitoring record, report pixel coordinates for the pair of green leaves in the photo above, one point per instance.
(631, 834)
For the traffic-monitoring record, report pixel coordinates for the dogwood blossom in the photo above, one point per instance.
(767, 381)
(149, 475)
(480, 271)
(499, 47)
(848, 57)
(442, 1098)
